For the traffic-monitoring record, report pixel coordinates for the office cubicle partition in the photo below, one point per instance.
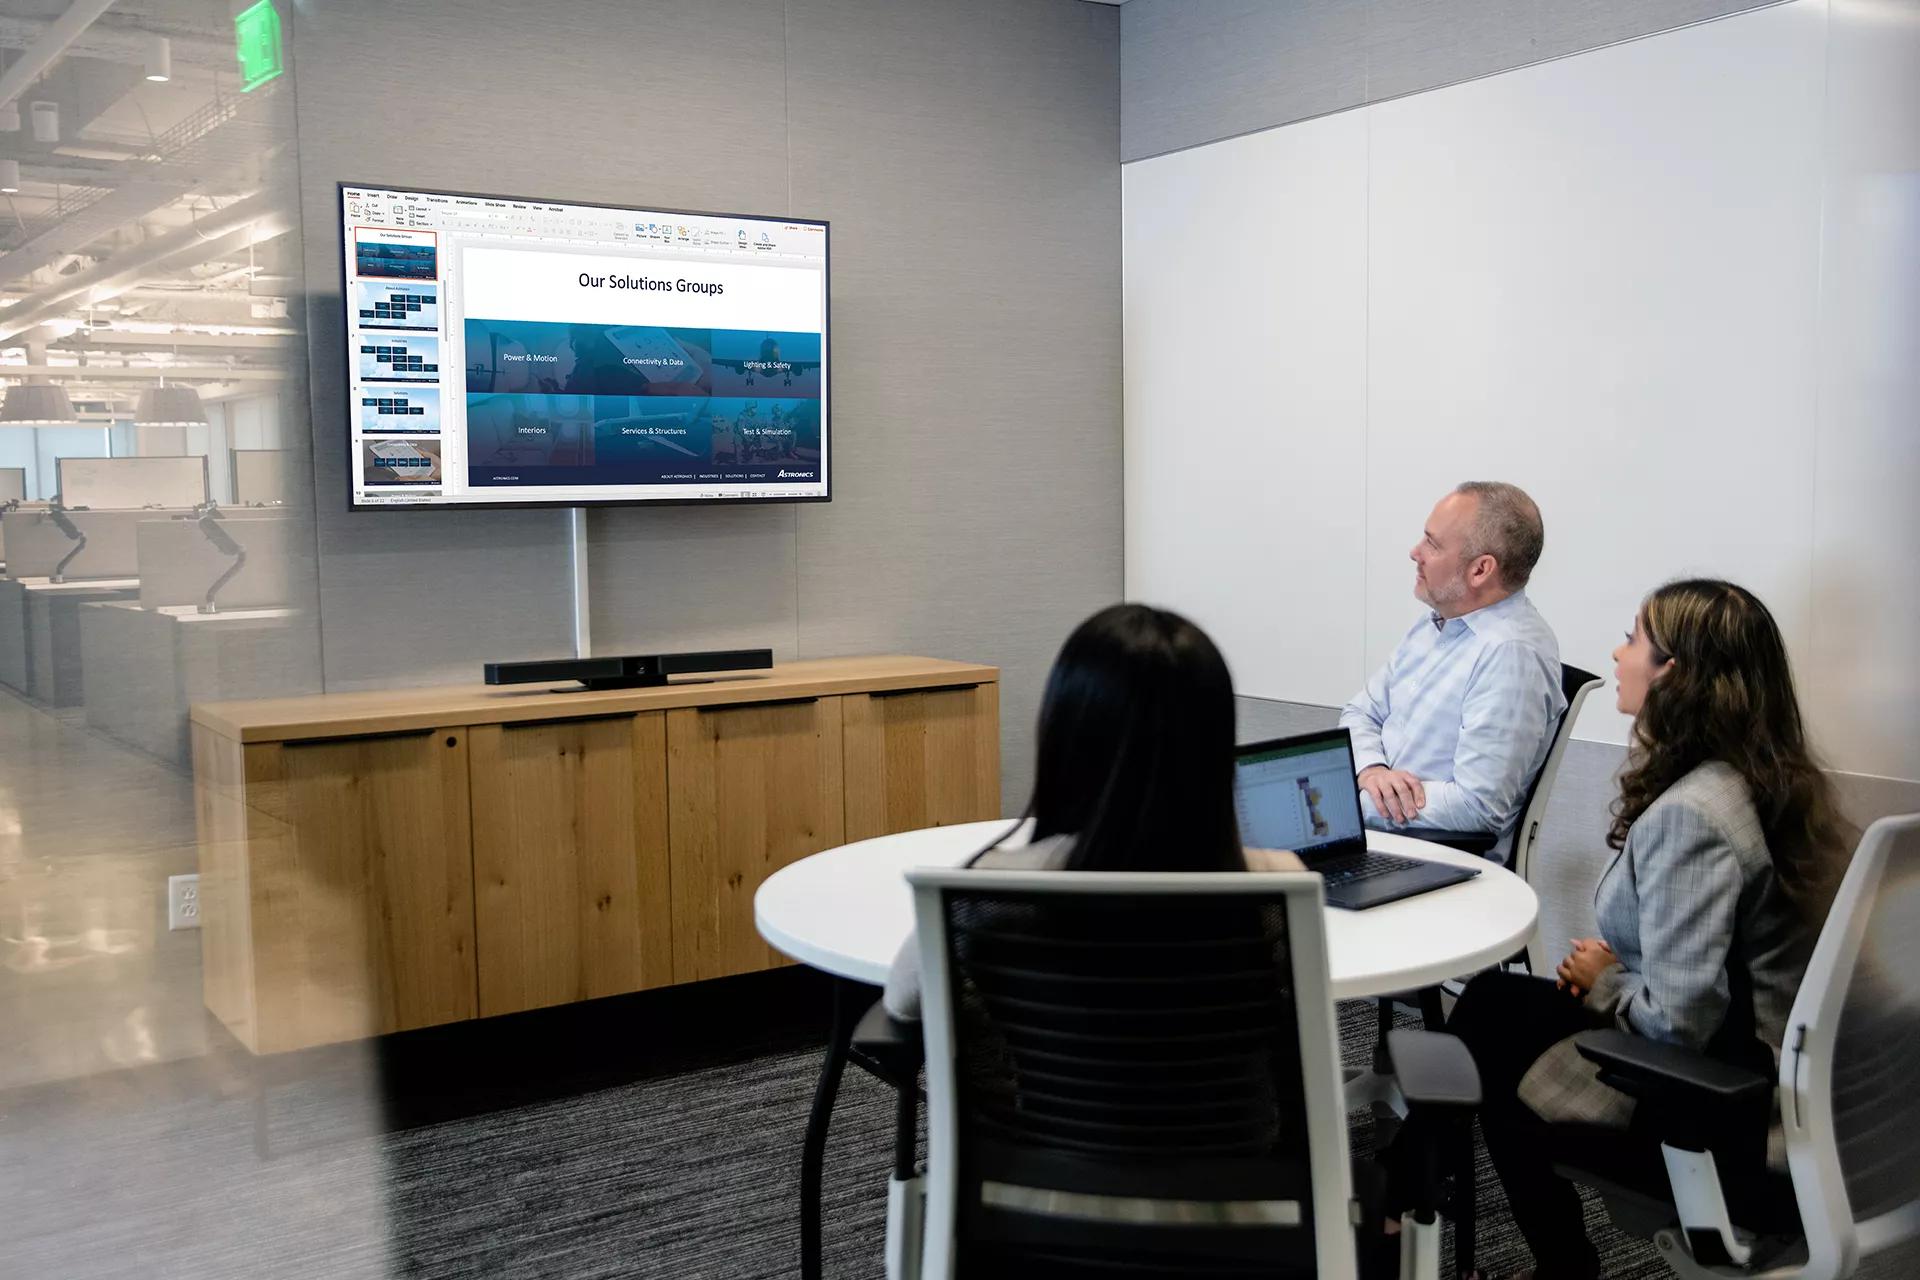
(123, 483)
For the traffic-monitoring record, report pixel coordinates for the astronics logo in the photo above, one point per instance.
(793, 475)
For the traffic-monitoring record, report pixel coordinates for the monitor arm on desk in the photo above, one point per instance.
(58, 514)
(207, 517)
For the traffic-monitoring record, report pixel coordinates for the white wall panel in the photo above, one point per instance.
(1672, 287)
(1598, 278)
(1863, 682)
(1245, 399)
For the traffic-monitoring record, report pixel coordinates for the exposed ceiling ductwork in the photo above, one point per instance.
(125, 39)
(110, 212)
(258, 217)
(54, 41)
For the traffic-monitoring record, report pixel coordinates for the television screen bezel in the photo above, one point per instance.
(346, 362)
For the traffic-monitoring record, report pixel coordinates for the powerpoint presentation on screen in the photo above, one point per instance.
(508, 352)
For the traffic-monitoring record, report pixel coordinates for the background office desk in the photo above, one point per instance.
(145, 666)
(847, 911)
(40, 633)
(379, 861)
(13, 635)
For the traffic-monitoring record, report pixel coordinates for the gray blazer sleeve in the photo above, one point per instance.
(902, 996)
(1687, 876)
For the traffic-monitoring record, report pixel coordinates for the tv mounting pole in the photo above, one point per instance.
(582, 600)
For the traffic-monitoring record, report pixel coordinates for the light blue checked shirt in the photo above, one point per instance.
(1467, 705)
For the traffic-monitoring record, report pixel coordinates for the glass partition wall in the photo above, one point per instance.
(158, 546)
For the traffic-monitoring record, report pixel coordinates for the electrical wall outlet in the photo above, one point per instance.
(183, 902)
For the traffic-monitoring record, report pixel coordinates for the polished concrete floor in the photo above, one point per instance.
(90, 978)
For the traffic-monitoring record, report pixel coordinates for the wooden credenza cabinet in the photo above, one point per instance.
(381, 861)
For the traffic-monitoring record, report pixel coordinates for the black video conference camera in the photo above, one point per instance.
(635, 671)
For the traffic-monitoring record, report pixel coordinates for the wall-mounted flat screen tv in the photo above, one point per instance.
(504, 351)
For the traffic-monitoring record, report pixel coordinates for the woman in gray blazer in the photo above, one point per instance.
(1728, 849)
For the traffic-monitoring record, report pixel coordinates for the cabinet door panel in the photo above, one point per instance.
(360, 886)
(751, 788)
(923, 759)
(570, 860)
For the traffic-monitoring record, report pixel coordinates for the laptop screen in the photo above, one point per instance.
(1298, 793)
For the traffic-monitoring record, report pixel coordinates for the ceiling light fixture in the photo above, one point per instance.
(37, 404)
(9, 177)
(165, 406)
(159, 59)
(46, 120)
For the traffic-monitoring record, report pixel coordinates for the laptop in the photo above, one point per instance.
(1299, 793)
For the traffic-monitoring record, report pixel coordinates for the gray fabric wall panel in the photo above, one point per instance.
(1570, 26)
(1197, 71)
(967, 156)
(1194, 71)
(1418, 44)
(670, 103)
(1573, 849)
(1259, 719)
(670, 579)
(977, 461)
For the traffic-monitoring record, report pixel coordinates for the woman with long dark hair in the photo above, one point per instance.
(1728, 851)
(1134, 768)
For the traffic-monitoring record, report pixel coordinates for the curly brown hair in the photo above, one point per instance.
(1729, 696)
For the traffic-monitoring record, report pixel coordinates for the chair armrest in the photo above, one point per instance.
(1658, 1067)
(892, 1048)
(1433, 1069)
(1480, 842)
(1694, 1101)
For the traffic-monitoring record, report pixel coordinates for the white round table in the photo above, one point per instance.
(846, 911)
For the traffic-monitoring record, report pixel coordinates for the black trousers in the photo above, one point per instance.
(1507, 1020)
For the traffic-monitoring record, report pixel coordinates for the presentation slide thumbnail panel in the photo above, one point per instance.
(379, 305)
(566, 440)
(400, 462)
(396, 254)
(611, 359)
(388, 410)
(398, 357)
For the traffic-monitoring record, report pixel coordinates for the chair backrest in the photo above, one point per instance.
(1137, 1068)
(1575, 685)
(1849, 1092)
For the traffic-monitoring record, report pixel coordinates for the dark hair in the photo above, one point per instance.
(1135, 747)
(1730, 697)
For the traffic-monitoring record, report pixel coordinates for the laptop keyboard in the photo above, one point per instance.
(1362, 866)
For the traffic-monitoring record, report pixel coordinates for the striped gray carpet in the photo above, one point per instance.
(647, 1138)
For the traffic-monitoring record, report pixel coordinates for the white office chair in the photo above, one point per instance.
(1576, 685)
(1140, 1073)
(1848, 1093)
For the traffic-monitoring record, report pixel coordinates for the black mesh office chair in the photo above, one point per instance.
(1138, 1075)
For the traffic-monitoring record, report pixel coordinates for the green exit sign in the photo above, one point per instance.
(256, 42)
